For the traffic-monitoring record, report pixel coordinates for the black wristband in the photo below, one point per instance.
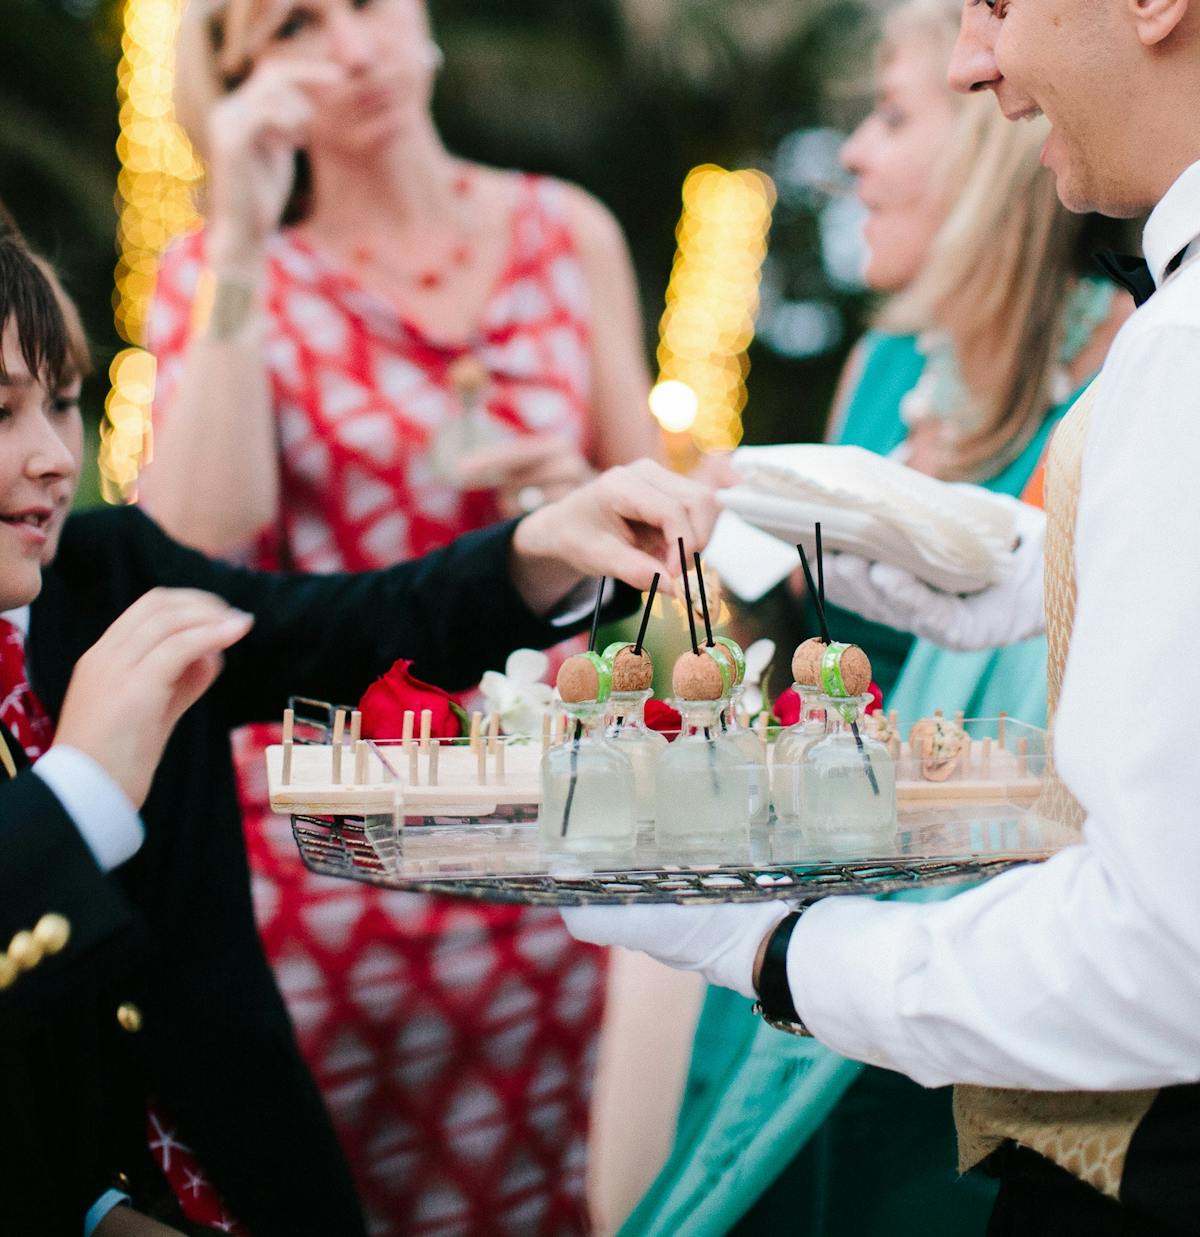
(774, 991)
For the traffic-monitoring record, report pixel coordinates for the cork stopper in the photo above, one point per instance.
(582, 678)
(806, 662)
(699, 676)
(631, 671)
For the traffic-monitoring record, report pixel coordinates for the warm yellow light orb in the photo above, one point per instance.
(674, 405)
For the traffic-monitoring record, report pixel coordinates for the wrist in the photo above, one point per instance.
(233, 253)
(775, 1002)
(538, 573)
(760, 957)
(226, 303)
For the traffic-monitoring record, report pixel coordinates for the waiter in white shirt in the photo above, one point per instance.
(1082, 974)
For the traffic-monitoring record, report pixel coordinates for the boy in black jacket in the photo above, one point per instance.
(135, 970)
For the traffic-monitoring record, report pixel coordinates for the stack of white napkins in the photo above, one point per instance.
(958, 538)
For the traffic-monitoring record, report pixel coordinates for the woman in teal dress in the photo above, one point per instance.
(990, 331)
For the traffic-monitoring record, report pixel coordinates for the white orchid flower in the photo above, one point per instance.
(518, 696)
(759, 657)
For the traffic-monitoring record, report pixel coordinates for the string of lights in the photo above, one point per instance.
(711, 303)
(155, 198)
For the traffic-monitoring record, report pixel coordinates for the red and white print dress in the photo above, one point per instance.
(454, 1043)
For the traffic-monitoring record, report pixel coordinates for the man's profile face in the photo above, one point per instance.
(1068, 60)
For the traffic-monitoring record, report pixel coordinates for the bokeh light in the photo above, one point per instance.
(711, 303)
(156, 202)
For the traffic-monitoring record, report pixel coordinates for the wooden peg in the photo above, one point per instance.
(764, 720)
(355, 728)
(339, 733)
(360, 761)
(555, 729)
(958, 718)
(1022, 757)
(964, 765)
(985, 760)
(893, 720)
(545, 733)
(938, 713)
(1001, 728)
(289, 726)
(426, 728)
(410, 748)
(435, 749)
(493, 731)
(476, 722)
(500, 762)
(481, 762)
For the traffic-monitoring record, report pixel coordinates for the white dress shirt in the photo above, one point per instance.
(101, 810)
(1082, 973)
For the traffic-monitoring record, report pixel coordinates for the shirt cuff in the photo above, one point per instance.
(101, 1207)
(580, 602)
(101, 810)
(843, 963)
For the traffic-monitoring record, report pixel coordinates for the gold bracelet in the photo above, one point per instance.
(222, 305)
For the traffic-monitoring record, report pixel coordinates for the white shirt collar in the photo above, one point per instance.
(1174, 223)
(19, 618)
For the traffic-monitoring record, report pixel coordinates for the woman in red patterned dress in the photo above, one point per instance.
(371, 348)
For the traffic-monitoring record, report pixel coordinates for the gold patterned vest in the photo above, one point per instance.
(1087, 1133)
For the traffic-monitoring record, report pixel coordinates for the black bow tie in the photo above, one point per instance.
(1128, 272)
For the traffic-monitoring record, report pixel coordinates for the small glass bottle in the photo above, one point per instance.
(629, 734)
(849, 782)
(753, 753)
(588, 807)
(701, 791)
(787, 760)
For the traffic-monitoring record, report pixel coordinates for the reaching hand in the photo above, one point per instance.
(625, 524)
(720, 942)
(1003, 614)
(525, 472)
(131, 687)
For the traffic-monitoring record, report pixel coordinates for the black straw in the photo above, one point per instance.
(703, 601)
(687, 596)
(816, 597)
(637, 648)
(596, 614)
(820, 567)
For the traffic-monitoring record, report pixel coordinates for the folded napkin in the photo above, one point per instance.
(955, 537)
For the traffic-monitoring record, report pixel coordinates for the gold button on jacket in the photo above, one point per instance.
(25, 951)
(52, 932)
(130, 1017)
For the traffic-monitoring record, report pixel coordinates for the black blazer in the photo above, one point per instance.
(171, 933)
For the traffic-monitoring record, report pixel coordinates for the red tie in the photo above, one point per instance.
(20, 710)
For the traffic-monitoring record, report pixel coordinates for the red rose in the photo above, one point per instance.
(398, 692)
(787, 707)
(876, 705)
(663, 718)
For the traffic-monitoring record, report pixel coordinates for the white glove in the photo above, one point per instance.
(1007, 612)
(721, 942)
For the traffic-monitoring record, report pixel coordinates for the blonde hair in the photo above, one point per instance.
(999, 269)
